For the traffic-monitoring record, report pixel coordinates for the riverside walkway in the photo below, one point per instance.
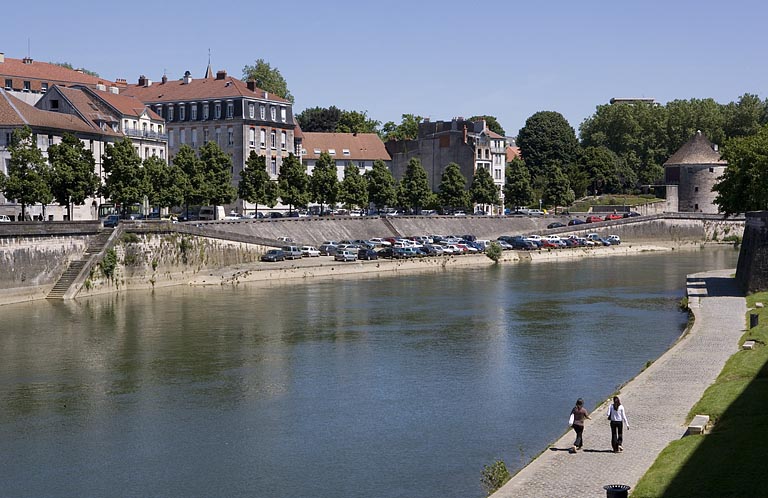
(657, 403)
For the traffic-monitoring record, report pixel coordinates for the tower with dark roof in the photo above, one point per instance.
(695, 168)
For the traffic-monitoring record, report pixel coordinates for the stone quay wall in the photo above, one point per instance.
(752, 270)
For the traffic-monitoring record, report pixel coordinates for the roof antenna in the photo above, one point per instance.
(29, 49)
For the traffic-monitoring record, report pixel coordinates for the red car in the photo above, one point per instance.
(593, 219)
(613, 216)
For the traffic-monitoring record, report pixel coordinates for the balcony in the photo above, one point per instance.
(153, 135)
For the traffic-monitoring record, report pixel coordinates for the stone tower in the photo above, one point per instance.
(695, 168)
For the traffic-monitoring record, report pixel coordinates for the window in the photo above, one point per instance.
(170, 138)
(230, 110)
(205, 135)
(182, 136)
(283, 137)
(194, 137)
(282, 114)
(159, 128)
(146, 152)
(54, 103)
(8, 84)
(217, 110)
(218, 136)
(262, 111)
(332, 152)
(273, 113)
(27, 86)
(193, 112)
(205, 111)
(252, 135)
(487, 153)
(263, 138)
(317, 152)
(695, 189)
(50, 140)
(230, 137)
(345, 152)
(182, 112)
(251, 110)
(162, 154)
(159, 109)
(497, 174)
(273, 139)
(43, 87)
(479, 153)
(273, 166)
(170, 112)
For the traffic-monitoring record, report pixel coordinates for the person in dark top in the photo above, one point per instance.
(578, 415)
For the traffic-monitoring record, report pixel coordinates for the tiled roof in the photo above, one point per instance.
(17, 112)
(38, 72)
(493, 134)
(512, 152)
(361, 146)
(197, 89)
(125, 104)
(698, 150)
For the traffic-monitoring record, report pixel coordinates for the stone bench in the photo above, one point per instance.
(698, 424)
(748, 345)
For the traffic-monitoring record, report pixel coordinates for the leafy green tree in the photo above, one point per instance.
(517, 189)
(408, 129)
(546, 137)
(324, 182)
(353, 190)
(126, 182)
(70, 66)
(483, 190)
(382, 187)
(28, 173)
(254, 185)
(743, 118)
(452, 191)
(491, 122)
(294, 183)
(192, 169)
(557, 190)
(415, 186)
(217, 171)
(743, 186)
(319, 119)
(357, 122)
(73, 178)
(685, 117)
(267, 78)
(604, 170)
(166, 182)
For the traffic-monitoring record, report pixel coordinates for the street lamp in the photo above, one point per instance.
(540, 204)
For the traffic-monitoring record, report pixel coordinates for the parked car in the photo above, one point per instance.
(594, 219)
(367, 254)
(576, 221)
(273, 255)
(613, 216)
(380, 242)
(310, 252)
(631, 214)
(556, 224)
(535, 212)
(110, 221)
(285, 239)
(345, 255)
(327, 249)
(4, 218)
(614, 240)
(292, 252)
(387, 252)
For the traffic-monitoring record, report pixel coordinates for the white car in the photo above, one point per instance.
(346, 255)
(310, 251)
(380, 242)
(4, 218)
(614, 239)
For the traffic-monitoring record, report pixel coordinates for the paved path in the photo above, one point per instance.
(657, 402)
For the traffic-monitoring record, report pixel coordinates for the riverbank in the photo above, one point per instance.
(657, 401)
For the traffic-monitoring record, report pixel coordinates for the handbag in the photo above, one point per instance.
(570, 420)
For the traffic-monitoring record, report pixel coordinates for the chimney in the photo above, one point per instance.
(266, 95)
(121, 82)
(164, 79)
(148, 82)
(101, 87)
(142, 80)
(251, 85)
(187, 77)
(2, 57)
(221, 74)
(114, 89)
(27, 60)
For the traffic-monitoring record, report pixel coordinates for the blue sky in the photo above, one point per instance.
(437, 59)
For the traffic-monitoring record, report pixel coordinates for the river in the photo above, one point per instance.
(384, 386)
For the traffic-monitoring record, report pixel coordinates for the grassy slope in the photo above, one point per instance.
(728, 461)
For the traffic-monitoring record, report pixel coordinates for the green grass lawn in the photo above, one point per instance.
(729, 461)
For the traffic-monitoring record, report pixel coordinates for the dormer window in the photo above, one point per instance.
(283, 114)
(262, 112)
(205, 111)
(43, 87)
(273, 113)
(182, 112)
(251, 110)
(27, 86)
(345, 152)
(217, 110)
(332, 152)
(193, 111)
(230, 110)
(317, 152)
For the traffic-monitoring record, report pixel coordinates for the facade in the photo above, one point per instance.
(691, 173)
(48, 129)
(361, 149)
(470, 144)
(236, 115)
(28, 80)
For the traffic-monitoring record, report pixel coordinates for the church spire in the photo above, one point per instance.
(209, 71)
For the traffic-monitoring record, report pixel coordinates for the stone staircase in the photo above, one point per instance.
(391, 227)
(95, 245)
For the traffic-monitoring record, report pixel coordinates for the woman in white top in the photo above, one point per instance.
(618, 418)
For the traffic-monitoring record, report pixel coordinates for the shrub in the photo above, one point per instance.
(109, 263)
(494, 476)
(493, 251)
(130, 238)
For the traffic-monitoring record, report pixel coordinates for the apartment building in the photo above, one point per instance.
(360, 149)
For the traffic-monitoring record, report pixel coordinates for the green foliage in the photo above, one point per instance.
(452, 191)
(353, 190)
(605, 171)
(491, 122)
(166, 183)
(408, 129)
(414, 186)
(517, 189)
(126, 182)
(191, 167)
(745, 117)
(324, 182)
(130, 238)
(267, 78)
(82, 69)
(494, 476)
(108, 264)
(28, 172)
(217, 172)
(483, 190)
(72, 175)
(557, 191)
(255, 185)
(334, 120)
(743, 186)
(494, 251)
(381, 185)
(294, 182)
(546, 137)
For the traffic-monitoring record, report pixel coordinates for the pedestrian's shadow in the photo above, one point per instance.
(560, 449)
(597, 451)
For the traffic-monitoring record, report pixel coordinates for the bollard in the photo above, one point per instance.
(753, 320)
(616, 490)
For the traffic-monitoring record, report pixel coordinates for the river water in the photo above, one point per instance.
(388, 386)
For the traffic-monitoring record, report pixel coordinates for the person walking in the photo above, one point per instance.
(618, 417)
(576, 421)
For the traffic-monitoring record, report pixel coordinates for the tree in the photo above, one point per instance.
(381, 185)
(742, 187)
(452, 191)
(546, 137)
(483, 190)
(166, 182)
(319, 119)
(267, 78)
(685, 117)
(192, 168)
(294, 183)
(28, 173)
(324, 182)
(217, 171)
(353, 190)
(491, 122)
(604, 171)
(408, 129)
(415, 186)
(557, 191)
(357, 122)
(82, 69)
(125, 182)
(517, 189)
(73, 178)
(254, 185)
(743, 118)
